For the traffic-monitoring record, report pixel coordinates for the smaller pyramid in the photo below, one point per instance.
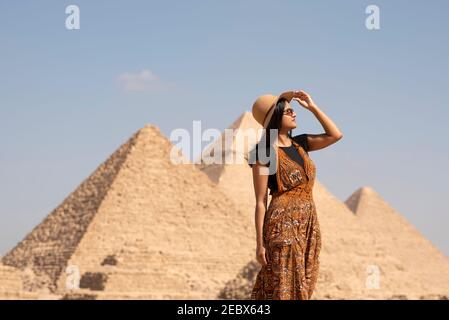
(425, 269)
(245, 134)
(235, 179)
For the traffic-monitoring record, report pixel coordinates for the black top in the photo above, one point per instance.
(291, 152)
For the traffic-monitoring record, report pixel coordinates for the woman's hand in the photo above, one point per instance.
(260, 255)
(304, 99)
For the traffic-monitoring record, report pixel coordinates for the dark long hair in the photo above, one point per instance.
(275, 123)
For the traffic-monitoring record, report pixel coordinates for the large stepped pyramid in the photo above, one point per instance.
(139, 226)
(48, 247)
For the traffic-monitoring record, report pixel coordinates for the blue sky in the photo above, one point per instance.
(69, 98)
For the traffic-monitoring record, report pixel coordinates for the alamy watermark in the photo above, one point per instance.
(72, 22)
(372, 22)
(373, 277)
(72, 281)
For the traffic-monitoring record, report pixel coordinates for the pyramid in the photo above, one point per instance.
(235, 179)
(10, 282)
(138, 227)
(354, 265)
(421, 261)
(11, 285)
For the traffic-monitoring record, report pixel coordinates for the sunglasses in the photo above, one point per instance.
(289, 112)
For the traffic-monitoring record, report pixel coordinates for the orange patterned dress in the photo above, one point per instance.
(291, 234)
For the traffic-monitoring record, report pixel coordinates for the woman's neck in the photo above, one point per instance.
(283, 140)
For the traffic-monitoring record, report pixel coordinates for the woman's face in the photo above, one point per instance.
(289, 118)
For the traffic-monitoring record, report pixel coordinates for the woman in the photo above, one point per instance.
(288, 232)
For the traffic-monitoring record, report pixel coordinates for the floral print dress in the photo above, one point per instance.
(291, 234)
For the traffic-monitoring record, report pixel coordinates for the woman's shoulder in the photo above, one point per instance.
(301, 139)
(253, 157)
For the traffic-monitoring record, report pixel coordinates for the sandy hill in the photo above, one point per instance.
(141, 227)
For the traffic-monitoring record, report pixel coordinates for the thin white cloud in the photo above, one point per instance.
(144, 80)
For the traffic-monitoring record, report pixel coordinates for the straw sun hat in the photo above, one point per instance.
(263, 107)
